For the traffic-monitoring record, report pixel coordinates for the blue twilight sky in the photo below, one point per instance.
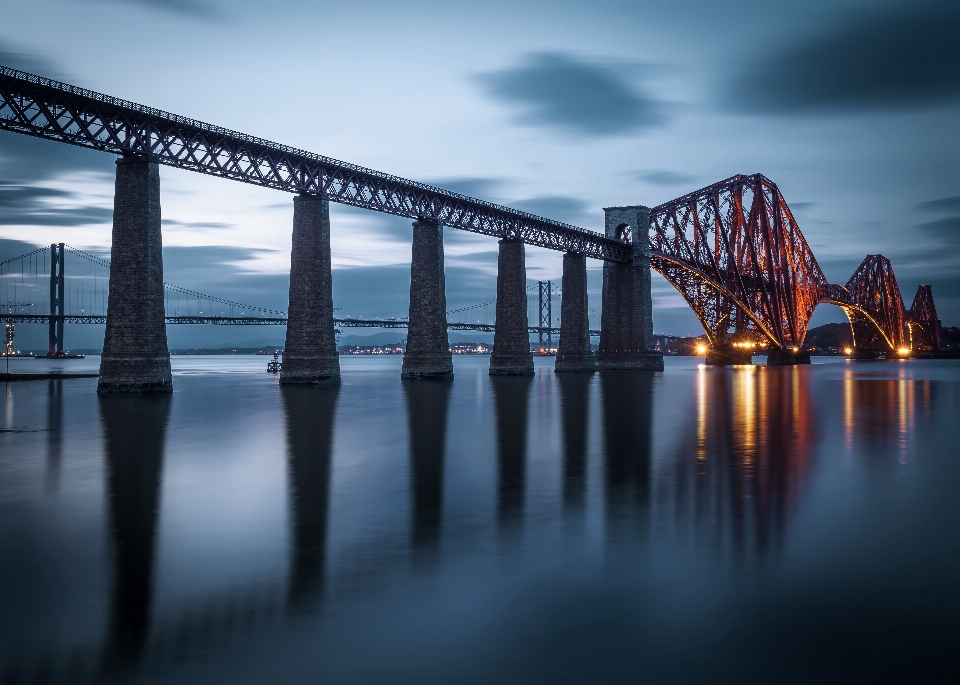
(559, 108)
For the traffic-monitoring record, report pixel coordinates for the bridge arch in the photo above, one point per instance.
(736, 254)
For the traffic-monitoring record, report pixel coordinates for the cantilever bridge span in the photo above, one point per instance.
(733, 250)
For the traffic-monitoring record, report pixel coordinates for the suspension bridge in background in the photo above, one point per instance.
(38, 288)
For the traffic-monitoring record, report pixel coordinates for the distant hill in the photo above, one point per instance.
(829, 335)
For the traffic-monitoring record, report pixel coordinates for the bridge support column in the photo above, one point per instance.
(626, 318)
(728, 355)
(427, 356)
(511, 341)
(135, 357)
(787, 357)
(573, 351)
(310, 352)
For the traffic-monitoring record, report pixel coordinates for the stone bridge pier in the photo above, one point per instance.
(310, 352)
(135, 357)
(511, 340)
(626, 318)
(427, 355)
(573, 351)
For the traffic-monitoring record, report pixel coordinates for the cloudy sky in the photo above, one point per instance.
(560, 108)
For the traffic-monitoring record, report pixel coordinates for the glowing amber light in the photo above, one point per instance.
(701, 350)
(848, 350)
(903, 351)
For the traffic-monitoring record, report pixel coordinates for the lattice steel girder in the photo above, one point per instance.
(875, 293)
(924, 321)
(43, 108)
(738, 239)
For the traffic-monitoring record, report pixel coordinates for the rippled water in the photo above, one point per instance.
(768, 525)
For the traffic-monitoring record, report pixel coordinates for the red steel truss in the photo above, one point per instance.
(924, 322)
(736, 254)
(872, 302)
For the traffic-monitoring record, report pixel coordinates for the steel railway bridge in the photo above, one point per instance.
(733, 250)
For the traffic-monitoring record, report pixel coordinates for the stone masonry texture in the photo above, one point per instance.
(427, 356)
(511, 341)
(573, 351)
(310, 353)
(626, 325)
(135, 357)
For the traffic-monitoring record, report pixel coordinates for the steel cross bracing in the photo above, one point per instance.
(43, 108)
(736, 254)
(924, 322)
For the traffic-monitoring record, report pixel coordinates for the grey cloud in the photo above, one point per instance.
(10, 248)
(27, 205)
(218, 270)
(584, 98)
(479, 188)
(199, 9)
(482, 257)
(878, 59)
(204, 257)
(660, 177)
(25, 160)
(25, 61)
(50, 216)
(17, 197)
(195, 224)
(946, 231)
(557, 207)
(946, 204)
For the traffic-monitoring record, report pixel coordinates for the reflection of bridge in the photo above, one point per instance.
(140, 627)
(733, 250)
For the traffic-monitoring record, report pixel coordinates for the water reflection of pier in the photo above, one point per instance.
(730, 485)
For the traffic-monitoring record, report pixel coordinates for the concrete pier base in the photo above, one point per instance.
(427, 356)
(310, 352)
(135, 357)
(725, 355)
(511, 342)
(787, 357)
(573, 352)
(626, 318)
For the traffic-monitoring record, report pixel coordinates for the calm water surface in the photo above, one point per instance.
(781, 525)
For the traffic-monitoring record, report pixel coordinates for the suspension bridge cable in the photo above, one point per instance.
(28, 254)
(185, 291)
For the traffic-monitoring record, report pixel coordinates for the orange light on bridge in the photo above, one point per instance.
(701, 350)
(903, 351)
(848, 351)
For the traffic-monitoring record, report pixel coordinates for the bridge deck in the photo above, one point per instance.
(44, 108)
